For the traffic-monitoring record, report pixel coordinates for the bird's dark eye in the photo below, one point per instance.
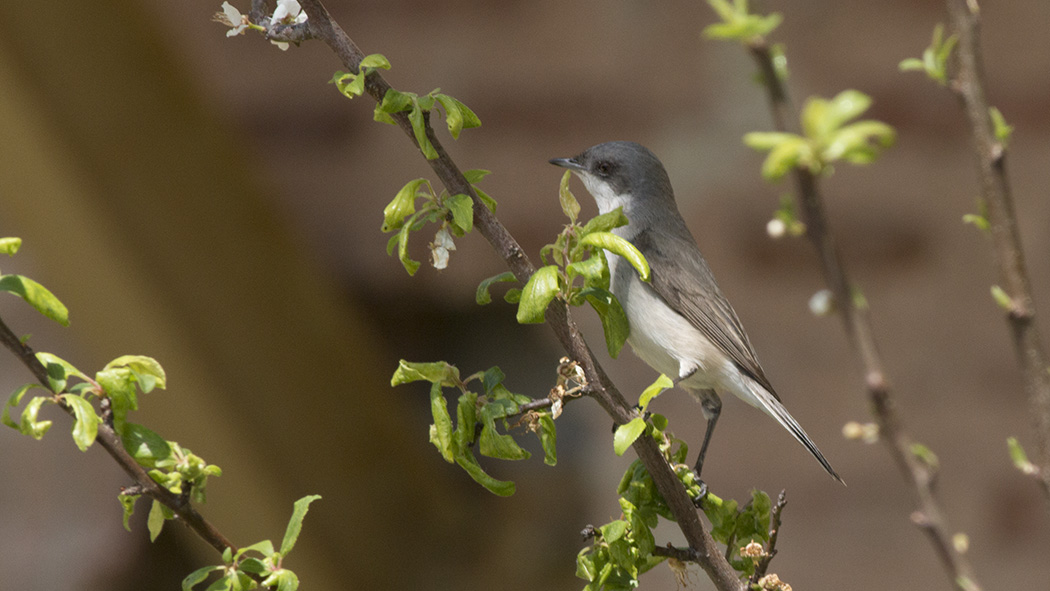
(602, 168)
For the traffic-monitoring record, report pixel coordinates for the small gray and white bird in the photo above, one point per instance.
(680, 323)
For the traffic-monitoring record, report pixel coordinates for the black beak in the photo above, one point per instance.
(569, 163)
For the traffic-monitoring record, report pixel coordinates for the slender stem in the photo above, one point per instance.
(855, 320)
(990, 153)
(603, 391)
(111, 442)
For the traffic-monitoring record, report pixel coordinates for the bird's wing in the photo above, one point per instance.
(677, 279)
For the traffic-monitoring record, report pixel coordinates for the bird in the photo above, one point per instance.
(681, 324)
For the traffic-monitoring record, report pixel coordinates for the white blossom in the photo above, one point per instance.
(822, 303)
(288, 12)
(440, 248)
(776, 228)
(237, 21)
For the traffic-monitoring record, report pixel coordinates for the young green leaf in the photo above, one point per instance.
(469, 463)
(147, 371)
(462, 209)
(605, 222)
(47, 359)
(541, 288)
(593, 269)
(29, 425)
(85, 427)
(10, 246)
(548, 439)
(127, 502)
(295, 524)
(483, 296)
(493, 444)
(627, 433)
(402, 206)
(655, 389)
(13, 401)
(569, 205)
(846, 105)
(419, 129)
(437, 372)
(197, 576)
(614, 319)
(1002, 129)
(1019, 457)
(1002, 298)
(453, 114)
(402, 251)
(619, 246)
(144, 445)
(155, 521)
(375, 60)
(37, 296)
(475, 175)
(441, 430)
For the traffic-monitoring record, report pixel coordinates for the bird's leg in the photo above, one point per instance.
(712, 406)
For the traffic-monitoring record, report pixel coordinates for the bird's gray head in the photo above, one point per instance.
(624, 174)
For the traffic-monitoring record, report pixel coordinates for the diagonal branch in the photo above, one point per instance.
(920, 474)
(111, 442)
(323, 27)
(995, 192)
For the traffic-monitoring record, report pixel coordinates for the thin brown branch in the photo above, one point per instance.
(968, 83)
(558, 317)
(111, 442)
(855, 320)
(771, 545)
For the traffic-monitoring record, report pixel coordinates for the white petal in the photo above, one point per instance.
(776, 228)
(440, 256)
(232, 13)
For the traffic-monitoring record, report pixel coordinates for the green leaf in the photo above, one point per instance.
(1002, 129)
(785, 156)
(569, 205)
(453, 115)
(1020, 458)
(402, 252)
(485, 198)
(395, 101)
(144, 445)
(147, 371)
(542, 287)
(846, 105)
(295, 524)
(499, 487)
(13, 401)
(619, 246)
(605, 222)
(48, 359)
(854, 142)
(127, 502)
(475, 175)
(496, 445)
(462, 209)
(614, 319)
(655, 389)
(155, 521)
(470, 119)
(593, 269)
(627, 433)
(197, 576)
(375, 60)
(56, 377)
(419, 129)
(764, 141)
(614, 530)
(85, 427)
(910, 64)
(1002, 298)
(513, 295)
(437, 372)
(402, 206)
(283, 579)
(483, 296)
(37, 296)
(29, 425)
(10, 246)
(441, 429)
(548, 439)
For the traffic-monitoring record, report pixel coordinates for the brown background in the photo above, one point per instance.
(214, 203)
